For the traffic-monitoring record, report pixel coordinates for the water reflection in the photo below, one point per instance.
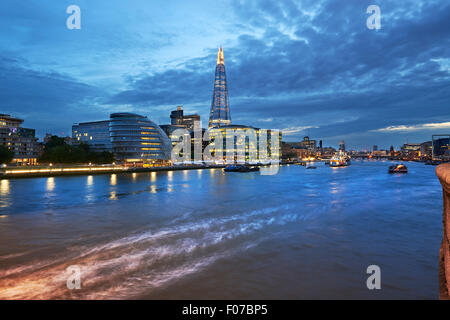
(170, 176)
(113, 195)
(4, 187)
(90, 181)
(153, 176)
(50, 185)
(113, 180)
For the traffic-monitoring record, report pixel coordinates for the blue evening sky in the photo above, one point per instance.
(306, 67)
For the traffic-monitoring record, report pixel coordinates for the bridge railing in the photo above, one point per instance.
(443, 173)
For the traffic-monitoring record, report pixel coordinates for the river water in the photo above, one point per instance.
(206, 234)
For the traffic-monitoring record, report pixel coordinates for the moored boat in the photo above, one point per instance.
(240, 168)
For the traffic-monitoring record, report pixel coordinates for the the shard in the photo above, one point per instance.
(220, 106)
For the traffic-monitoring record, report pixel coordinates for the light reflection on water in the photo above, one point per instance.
(299, 234)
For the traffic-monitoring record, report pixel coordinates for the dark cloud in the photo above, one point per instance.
(293, 64)
(321, 58)
(46, 99)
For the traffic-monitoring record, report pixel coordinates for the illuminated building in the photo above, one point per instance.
(95, 134)
(342, 145)
(136, 139)
(441, 147)
(220, 106)
(20, 140)
(242, 141)
(411, 150)
(177, 118)
(306, 143)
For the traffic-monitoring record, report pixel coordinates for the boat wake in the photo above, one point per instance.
(142, 262)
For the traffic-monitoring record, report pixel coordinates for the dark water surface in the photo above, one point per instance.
(204, 234)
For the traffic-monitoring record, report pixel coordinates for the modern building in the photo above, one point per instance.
(342, 146)
(95, 134)
(220, 106)
(426, 149)
(138, 140)
(177, 118)
(22, 141)
(242, 140)
(306, 143)
(410, 150)
(441, 147)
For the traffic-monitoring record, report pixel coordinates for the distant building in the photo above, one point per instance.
(96, 134)
(342, 145)
(441, 147)
(177, 118)
(328, 151)
(375, 148)
(306, 143)
(380, 153)
(426, 149)
(410, 150)
(138, 140)
(250, 147)
(20, 140)
(131, 137)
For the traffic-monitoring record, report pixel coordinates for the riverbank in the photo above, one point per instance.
(53, 171)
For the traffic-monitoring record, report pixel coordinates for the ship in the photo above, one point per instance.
(340, 159)
(399, 168)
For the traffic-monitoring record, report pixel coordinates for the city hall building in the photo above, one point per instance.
(132, 138)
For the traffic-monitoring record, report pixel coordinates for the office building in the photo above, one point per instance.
(138, 140)
(22, 141)
(95, 134)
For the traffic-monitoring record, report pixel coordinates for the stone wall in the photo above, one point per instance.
(443, 173)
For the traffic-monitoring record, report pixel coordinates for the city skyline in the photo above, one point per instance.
(292, 66)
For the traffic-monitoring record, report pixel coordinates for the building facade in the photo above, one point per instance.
(441, 147)
(138, 140)
(178, 118)
(220, 106)
(247, 140)
(22, 141)
(95, 134)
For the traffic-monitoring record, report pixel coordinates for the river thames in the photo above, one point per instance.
(206, 234)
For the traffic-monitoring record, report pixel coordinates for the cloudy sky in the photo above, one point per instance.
(306, 67)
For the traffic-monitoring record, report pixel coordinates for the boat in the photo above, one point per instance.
(311, 167)
(240, 168)
(340, 159)
(398, 168)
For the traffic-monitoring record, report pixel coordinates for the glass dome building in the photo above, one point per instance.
(137, 139)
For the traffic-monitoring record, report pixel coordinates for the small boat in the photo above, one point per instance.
(240, 168)
(398, 168)
(311, 167)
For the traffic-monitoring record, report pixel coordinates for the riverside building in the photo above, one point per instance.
(20, 140)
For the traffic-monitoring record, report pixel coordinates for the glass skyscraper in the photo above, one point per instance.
(136, 138)
(220, 106)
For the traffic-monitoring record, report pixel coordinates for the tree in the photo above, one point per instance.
(6, 155)
(58, 151)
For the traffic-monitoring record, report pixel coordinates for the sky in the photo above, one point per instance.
(305, 67)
